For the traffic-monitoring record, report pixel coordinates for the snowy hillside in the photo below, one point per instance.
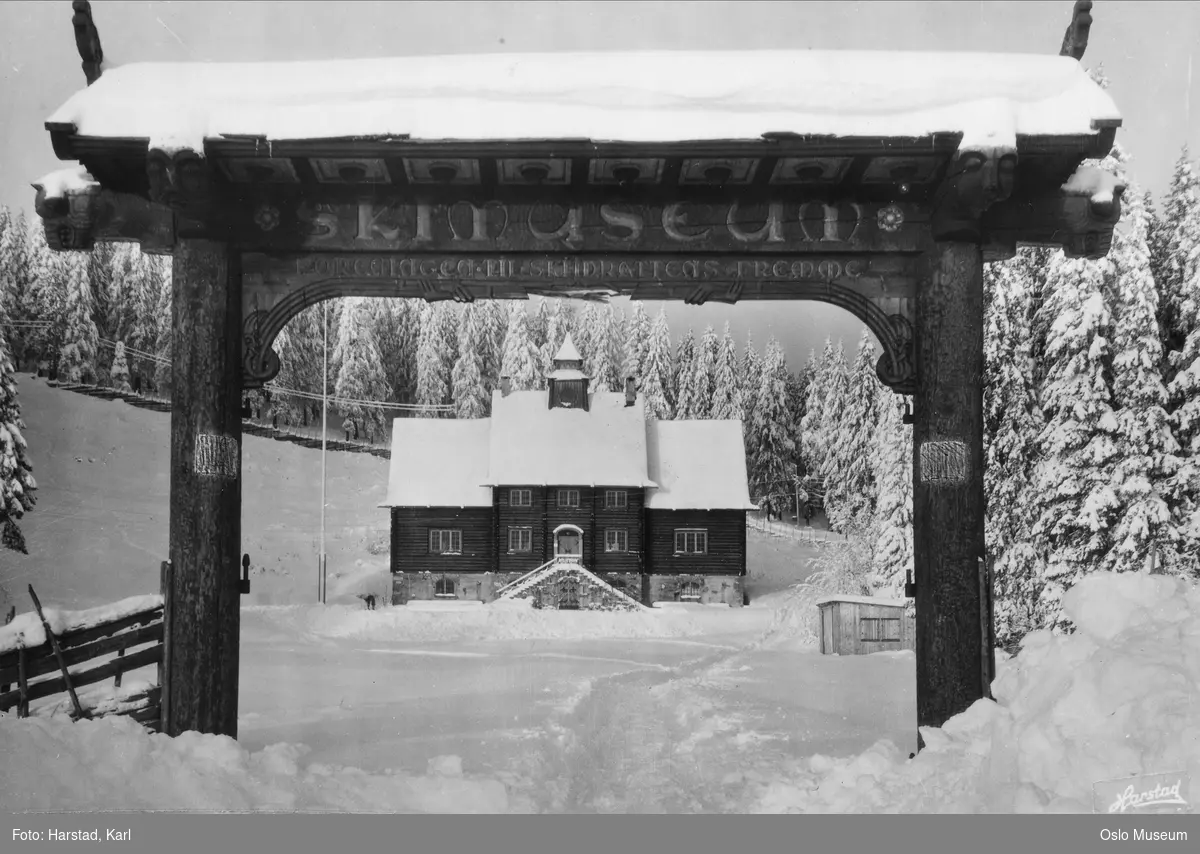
(99, 530)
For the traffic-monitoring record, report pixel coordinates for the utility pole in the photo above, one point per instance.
(324, 439)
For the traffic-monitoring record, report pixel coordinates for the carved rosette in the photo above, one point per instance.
(897, 368)
(260, 362)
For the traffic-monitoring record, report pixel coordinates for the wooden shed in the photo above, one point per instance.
(859, 625)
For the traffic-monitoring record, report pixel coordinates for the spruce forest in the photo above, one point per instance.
(1092, 399)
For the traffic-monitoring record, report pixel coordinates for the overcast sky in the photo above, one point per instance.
(1146, 49)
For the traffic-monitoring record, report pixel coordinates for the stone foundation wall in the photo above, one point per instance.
(712, 589)
(480, 586)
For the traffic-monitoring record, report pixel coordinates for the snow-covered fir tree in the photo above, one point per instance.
(99, 275)
(77, 354)
(704, 374)
(850, 488)
(814, 435)
(16, 284)
(520, 362)
(1172, 239)
(1079, 444)
(656, 369)
(683, 377)
(772, 472)
(17, 484)
(397, 327)
(119, 371)
(47, 298)
(300, 346)
(360, 375)
(1012, 423)
(892, 461)
(1148, 454)
(494, 319)
(637, 343)
(471, 397)
(617, 329)
(162, 338)
(797, 394)
(749, 380)
(434, 359)
(727, 391)
(1185, 399)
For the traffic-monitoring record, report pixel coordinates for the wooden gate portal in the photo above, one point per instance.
(879, 183)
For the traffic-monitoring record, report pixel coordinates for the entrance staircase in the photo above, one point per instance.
(555, 567)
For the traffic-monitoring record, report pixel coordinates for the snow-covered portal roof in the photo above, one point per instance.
(644, 96)
(534, 445)
(698, 465)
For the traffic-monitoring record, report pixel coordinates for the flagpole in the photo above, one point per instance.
(324, 438)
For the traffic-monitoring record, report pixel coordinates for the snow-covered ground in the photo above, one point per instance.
(507, 709)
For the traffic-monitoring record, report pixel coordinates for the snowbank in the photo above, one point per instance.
(26, 629)
(503, 620)
(1074, 717)
(115, 764)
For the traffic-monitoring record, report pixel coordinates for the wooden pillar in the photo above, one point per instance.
(206, 434)
(948, 497)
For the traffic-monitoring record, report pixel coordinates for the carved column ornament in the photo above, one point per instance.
(87, 40)
(183, 181)
(976, 181)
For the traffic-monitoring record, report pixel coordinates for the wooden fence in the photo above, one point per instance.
(136, 639)
(803, 534)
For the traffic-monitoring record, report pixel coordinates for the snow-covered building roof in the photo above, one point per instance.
(533, 444)
(438, 462)
(638, 96)
(567, 352)
(861, 600)
(698, 465)
(685, 465)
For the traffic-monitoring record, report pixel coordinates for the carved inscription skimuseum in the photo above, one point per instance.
(679, 226)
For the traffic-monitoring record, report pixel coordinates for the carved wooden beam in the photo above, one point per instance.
(81, 218)
(1081, 224)
(87, 40)
(976, 181)
(1076, 38)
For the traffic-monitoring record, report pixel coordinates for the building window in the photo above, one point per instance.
(616, 540)
(445, 542)
(879, 629)
(690, 591)
(444, 588)
(568, 498)
(520, 498)
(616, 499)
(520, 540)
(691, 541)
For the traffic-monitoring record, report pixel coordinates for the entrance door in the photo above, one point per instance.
(568, 594)
(568, 542)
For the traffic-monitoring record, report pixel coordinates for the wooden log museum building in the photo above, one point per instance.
(570, 497)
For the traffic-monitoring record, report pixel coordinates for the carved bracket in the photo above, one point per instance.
(897, 367)
(260, 363)
(976, 181)
(1079, 222)
(80, 218)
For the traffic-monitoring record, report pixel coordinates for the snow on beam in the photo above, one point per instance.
(637, 96)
